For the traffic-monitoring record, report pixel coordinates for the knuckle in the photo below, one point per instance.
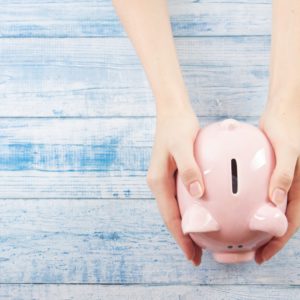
(154, 178)
(285, 179)
(150, 179)
(188, 174)
(174, 145)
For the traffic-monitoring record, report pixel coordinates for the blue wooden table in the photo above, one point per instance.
(77, 121)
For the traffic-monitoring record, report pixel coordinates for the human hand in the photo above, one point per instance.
(173, 149)
(281, 123)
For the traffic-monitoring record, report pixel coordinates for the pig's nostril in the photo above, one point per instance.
(240, 246)
(229, 247)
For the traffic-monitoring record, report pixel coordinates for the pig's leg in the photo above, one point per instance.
(198, 219)
(270, 219)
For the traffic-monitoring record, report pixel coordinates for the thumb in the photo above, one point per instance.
(283, 174)
(188, 170)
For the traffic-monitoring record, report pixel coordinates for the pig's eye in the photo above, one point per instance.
(240, 246)
(230, 247)
(234, 176)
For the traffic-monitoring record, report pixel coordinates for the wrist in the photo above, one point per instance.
(282, 102)
(171, 96)
(173, 106)
(284, 93)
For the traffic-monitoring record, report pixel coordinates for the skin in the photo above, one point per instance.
(147, 24)
(281, 118)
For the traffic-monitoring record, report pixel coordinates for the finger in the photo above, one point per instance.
(293, 216)
(197, 256)
(276, 244)
(283, 174)
(162, 185)
(188, 169)
(169, 210)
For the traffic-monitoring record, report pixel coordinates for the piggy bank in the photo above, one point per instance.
(235, 216)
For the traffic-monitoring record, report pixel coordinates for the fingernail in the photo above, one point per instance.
(195, 189)
(278, 196)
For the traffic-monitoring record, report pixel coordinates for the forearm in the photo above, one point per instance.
(148, 27)
(285, 51)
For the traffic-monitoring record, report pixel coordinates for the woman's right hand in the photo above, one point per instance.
(173, 149)
(148, 26)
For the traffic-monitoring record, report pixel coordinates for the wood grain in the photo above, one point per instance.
(75, 144)
(77, 122)
(144, 292)
(92, 18)
(74, 185)
(225, 76)
(113, 242)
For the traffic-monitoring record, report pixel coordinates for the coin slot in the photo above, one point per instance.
(234, 176)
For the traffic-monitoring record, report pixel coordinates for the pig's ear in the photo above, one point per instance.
(198, 219)
(269, 219)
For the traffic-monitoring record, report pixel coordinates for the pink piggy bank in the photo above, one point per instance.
(234, 217)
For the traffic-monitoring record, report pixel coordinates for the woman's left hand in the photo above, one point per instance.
(281, 124)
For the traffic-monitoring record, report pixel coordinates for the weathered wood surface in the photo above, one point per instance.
(73, 185)
(92, 18)
(76, 144)
(113, 242)
(77, 121)
(134, 292)
(225, 76)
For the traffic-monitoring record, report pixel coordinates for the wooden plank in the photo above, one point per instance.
(92, 18)
(76, 144)
(103, 77)
(114, 242)
(145, 292)
(74, 185)
(107, 144)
